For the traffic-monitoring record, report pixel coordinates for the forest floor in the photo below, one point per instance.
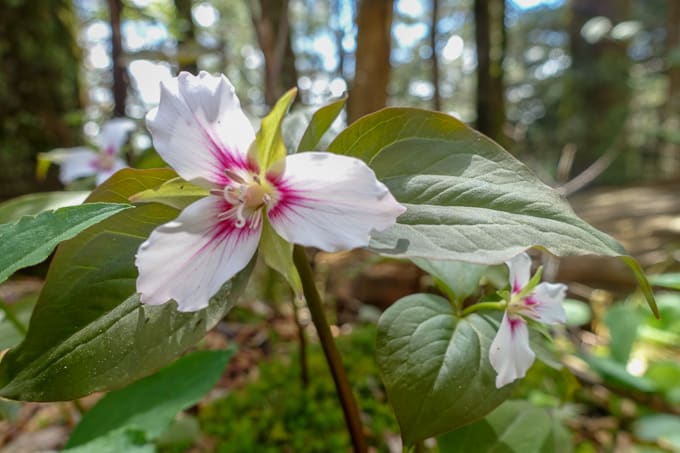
(645, 219)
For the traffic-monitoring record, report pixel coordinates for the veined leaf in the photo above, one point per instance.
(31, 240)
(89, 331)
(321, 121)
(435, 366)
(270, 145)
(176, 193)
(467, 198)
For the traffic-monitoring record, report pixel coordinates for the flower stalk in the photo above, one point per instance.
(314, 302)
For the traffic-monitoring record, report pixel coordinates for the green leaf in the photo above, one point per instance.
(615, 373)
(660, 428)
(462, 279)
(176, 193)
(278, 254)
(578, 312)
(150, 404)
(89, 331)
(515, 426)
(467, 198)
(35, 203)
(623, 321)
(32, 239)
(670, 280)
(270, 145)
(435, 366)
(320, 123)
(10, 335)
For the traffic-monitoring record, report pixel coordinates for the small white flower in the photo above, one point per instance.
(316, 199)
(510, 354)
(81, 162)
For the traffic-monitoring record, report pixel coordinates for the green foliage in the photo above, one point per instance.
(515, 426)
(274, 413)
(176, 193)
(35, 203)
(89, 331)
(319, 124)
(435, 366)
(270, 147)
(459, 280)
(467, 198)
(31, 240)
(148, 406)
(10, 335)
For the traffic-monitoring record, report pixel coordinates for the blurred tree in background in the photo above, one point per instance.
(40, 104)
(571, 86)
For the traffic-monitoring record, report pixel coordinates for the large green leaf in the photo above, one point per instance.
(467, 198)
(150, 404)
(435, 366)
(31, 240)
(35, 203)
(514, 427)
(89, 331)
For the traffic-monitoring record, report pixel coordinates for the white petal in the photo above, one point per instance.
(520, 271)
(331, 202)
(190, 258)
(199, 128)
(78, 163)
(102, 176)
(114, 133)
(548, 298)
(510, 354)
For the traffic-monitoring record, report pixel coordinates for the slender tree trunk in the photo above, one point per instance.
(187, 55)
(372, 74)
(491, 36)
(597, 94)
(119, 73)
(436, 95)
(272, 27)
(670, 151)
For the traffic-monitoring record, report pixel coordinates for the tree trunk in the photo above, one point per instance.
(490, 35)
(372, 74)
(595, 102)
(436, 95)
(272, 28)
(120, 84)
(39, 87)
(670, 152)
(186, 43)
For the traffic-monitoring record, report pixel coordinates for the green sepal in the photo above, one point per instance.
(176, 193)
(269, 146)
(278, 254)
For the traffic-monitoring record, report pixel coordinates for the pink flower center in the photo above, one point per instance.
(105, 161)
(247, 194)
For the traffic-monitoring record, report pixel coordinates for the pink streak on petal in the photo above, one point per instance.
(530, 301)
(288, 199)
(516, 287)
(515, 323)
(226, 158)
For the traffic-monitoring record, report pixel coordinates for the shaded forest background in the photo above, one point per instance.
(586, 92)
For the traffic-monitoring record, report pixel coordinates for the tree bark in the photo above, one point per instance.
(372, 73)
(39, 88)
(186, 43)
(490, 36)
(670, 151)
(597, 94)
(436, 95)
(120, 82)
(272, 27)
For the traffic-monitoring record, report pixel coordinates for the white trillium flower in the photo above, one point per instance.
(82, 161)
(316, 199)
(510, 354)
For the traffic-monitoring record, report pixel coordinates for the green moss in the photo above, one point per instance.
(275, 414)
